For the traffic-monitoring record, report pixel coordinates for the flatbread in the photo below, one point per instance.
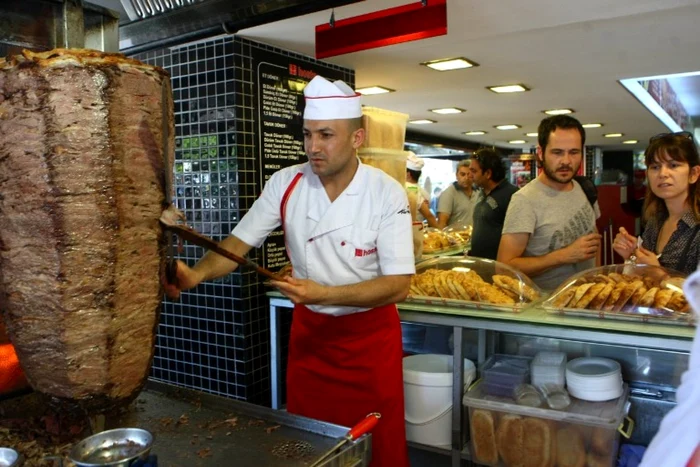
(648, 299)
(638, 294)
(614, 296)
(598, 302)
(662, 298)
(590, 294)
(677, 302)
(626, 294)
(564, 297)
(580, 292)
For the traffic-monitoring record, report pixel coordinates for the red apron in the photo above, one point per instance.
(342, 368)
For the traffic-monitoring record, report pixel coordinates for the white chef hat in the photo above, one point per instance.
(330, 101)
(414, 162)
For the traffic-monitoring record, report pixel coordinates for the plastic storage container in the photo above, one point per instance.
(506, 434)
(384, 128)
(548, 368)
(501, 374)
(470, 282)
(391, 161)
(624, 292)
(428, 397)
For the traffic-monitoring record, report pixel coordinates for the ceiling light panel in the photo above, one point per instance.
(508, 88)
(507, 127)
(531, 135)
(475, 133)
(558, 111)
(592, 125)
(422, 121)
(449, 64)
(630, 141)
(613, 135)
(372, 90)
(517, 141)
(448, 110)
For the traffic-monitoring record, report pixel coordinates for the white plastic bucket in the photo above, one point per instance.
(427, 382)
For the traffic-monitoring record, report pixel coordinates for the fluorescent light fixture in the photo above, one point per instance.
(592, 125)
(372, 90)
(517, 141)
(448, 110)
(630, 141)
(532, 135)
(422, 121)
(448, 64)
(638, 91)
(613, 135)
(508, 88)
(558, 111)
(475, 133)
(507, 127)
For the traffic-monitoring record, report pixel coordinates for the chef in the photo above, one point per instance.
(348, 235)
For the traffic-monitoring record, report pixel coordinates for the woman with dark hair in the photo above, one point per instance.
(671, 208)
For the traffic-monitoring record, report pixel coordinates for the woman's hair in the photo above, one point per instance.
(679, 147)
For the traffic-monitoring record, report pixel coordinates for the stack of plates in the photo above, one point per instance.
(548, 368)
(594, 379)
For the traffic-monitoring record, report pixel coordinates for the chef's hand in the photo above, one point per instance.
(583, 248)
(185, 278)
(645, 256)
(624, 244)
(302, 291)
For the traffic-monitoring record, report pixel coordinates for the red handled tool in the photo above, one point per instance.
(365, 426)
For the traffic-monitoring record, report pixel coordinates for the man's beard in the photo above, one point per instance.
(559, 178)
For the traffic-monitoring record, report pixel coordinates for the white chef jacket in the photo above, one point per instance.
(365, 233)
(679, 433)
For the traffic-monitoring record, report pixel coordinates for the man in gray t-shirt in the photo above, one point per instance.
(456, 203)
(549, 231)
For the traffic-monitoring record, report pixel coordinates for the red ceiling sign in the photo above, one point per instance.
(381, 28)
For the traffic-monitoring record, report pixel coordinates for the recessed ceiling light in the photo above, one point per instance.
(592, 125)
(423, 121)
(447, 64)
(508, 88)
(507, 127)
(517, 141)
(558, 111)
(448, 110)
(613, 135)
(475, 133)
(371, 90)
(630, 141)
(532, 135)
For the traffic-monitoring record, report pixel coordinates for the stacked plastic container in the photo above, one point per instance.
(503, 373)
(548, 368)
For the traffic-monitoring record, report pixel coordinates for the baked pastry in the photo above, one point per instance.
(648, 298)
(538, 443)
(599, 300)
(509, 439)
(571, 451)
(614, 296)
(626, 294)
(564, 297)
(580, 291)
(662, 298)
(483, 434)
(589, 295)
(515, 286)
(637, 295)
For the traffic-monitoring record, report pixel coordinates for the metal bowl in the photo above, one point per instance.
(9, 457)
(120, 447)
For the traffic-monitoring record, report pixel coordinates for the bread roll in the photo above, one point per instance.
(483, 434)
(571, 451)
(509, 439)
(538, 443)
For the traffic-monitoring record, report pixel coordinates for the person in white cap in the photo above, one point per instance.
(414, 167)
(677, 443)
(348, 234)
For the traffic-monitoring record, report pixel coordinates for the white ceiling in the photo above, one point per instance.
(571, 54)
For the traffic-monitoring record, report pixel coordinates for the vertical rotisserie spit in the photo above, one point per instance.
(82, 186)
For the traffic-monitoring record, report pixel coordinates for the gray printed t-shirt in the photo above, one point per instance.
(554, 219)
(458, 205)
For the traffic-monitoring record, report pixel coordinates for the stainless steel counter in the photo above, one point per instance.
(530, 322)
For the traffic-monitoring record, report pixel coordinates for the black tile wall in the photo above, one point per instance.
(216, 338)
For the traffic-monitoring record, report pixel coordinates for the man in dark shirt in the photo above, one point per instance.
(489, 174)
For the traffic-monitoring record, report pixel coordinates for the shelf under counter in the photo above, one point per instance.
(536, 321)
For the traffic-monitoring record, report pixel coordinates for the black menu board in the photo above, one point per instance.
(279, 82)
